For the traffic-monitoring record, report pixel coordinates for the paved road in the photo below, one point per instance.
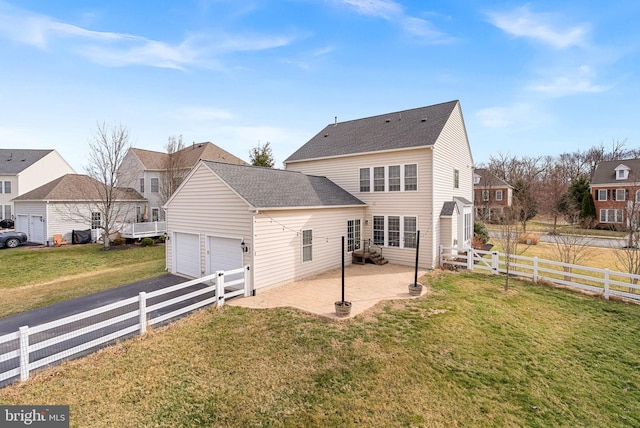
(593, 241)
(60, 310)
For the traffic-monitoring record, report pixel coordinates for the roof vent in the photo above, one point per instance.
(424, 119)
(387, 120)
(326, 135)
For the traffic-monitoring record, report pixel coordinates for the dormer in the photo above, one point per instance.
(476, 178)
(622, 172)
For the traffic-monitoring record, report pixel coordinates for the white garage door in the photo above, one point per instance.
(187, 254)
(225, 254)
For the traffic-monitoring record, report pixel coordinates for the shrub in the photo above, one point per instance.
(161, 239)
(146, 242)
(118, 242)
(529, 239)
(480, 232)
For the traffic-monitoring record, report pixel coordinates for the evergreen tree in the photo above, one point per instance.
(262, 156)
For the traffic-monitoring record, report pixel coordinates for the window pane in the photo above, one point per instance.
(154, 185)
(394, 231)
(456, 179)
(409, 232)
(602, 195)
(394, 178)
(95, 220)
(498, 195)
(7, 187)
(142, 185)
(485, 195)
(365, 183)
(620, 195)
(378, 230)
(306, 245)
(411, 177)
(378, 179)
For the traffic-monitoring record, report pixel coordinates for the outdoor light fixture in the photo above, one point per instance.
(244, 247)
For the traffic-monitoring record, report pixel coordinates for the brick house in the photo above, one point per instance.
(491, 195)
(615, 188)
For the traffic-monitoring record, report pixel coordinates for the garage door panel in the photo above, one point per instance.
(225, 254)
(187, 254)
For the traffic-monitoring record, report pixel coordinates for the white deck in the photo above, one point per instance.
(142, 230)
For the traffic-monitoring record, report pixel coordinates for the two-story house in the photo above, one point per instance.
(147, 171)
(491, 195)
(376, 181)
(615, 188)
(22, 170)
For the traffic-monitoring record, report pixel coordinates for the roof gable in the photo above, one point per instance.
(488, 179)
(275, 188)
(417, 127)
(14, 161)
(152, 160)
(75, 187)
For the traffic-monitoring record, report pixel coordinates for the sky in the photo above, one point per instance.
(533, 78)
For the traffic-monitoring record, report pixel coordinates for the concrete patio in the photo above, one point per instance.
(365, 286)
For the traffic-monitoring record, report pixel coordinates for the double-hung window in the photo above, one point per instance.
(410, 232)
(485, 195)
(411, 177)
(601, 195)
(394, 178)
(395, 231)
(307, 245)
(154, 185)
(142, 185)
(378, 179)
(5, 187)
(499, 195)
(610, 216)
(621, 194)
(378, 230)
(365, 180)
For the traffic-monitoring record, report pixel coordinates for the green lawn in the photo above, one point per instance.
(34, 276)
(465, 354)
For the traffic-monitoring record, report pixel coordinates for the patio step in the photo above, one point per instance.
(361, 257)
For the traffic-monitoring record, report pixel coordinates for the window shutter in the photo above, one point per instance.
(614, 195)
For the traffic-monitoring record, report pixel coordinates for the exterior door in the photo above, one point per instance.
(37, 229)
(354, 235)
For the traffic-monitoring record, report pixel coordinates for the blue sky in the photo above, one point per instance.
(535, 78)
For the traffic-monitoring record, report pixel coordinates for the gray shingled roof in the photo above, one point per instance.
(275, 188)
(448, 208)
(14, 161)
(605, 172)
(76, 187)
(489, 179)
(404, 129)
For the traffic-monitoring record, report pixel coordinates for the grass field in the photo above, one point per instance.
(33, 277)
(465, 354)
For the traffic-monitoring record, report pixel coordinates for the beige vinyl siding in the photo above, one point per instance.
(278, 243)
(345, 171)
(451, 151)
(42, 172)
(207, 206)
(64, 218)
(5, 198)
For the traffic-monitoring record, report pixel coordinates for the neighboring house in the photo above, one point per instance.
(22, 170)
(413, 168)
(146, 171)
(491, 195)
(68, 203)
(615, 188)
(378, 180)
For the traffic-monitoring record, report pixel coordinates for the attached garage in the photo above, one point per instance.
(224, 254)
(187, 254)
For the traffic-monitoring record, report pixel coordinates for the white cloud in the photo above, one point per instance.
(120, 49)
(543, 27)
(392, 11)
(570, 83)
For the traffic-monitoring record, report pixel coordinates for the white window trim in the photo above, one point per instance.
(605, 194)
(485, 195)
(302, 245)
(606, 219)
(637, 195)
(624, 194)
(501, 193)
(386, 229)
(151, 185)
(356, 242)
(386, 178)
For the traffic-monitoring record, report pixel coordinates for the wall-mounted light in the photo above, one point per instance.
(244, 247)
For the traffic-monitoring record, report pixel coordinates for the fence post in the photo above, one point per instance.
(470, 259)
(247, 281)
(441, 255)
(142, 298)
(494, 262)
(535, 269)
(606, 283)
(220, 287)
(24, 353)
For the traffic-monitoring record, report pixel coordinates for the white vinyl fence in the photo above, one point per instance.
(33, 347)
(601, 281)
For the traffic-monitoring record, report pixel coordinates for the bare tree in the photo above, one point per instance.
(107, 150)
(175, 169)
(629, 256)
(508, 238)
(552, 191)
